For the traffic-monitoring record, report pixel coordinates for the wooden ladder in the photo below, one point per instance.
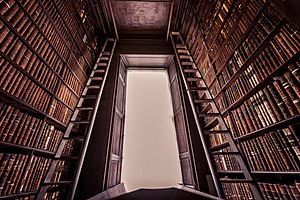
(225, 161)
(64, 171)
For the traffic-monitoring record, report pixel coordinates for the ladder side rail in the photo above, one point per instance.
(206, 151)
(245, 168)
(43, 187)
(89, 132)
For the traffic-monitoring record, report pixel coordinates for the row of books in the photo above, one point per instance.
(219, 19)
(60, 112)
(277, 150)
(255, 15)
(40, 56)
(290, 191)
(59, 10)
(26, 90)
(263, 25)
(280, 191)
(74, 19)
(61, 174)
(279, 50)
(249, 12)
(254, 116)
(46, 54)
(21, 86)
(195, 42)
(62, 38)
(241, 17)
(223, 26)
(13, 80)
(271, 152)
(237, 191)
(21, 173)
(226, 163)
(17, 127)
(66, 96)
(247, 47)
(219, 57)
(285, 88)
(29, 62)
(87, 17)
(69, 27)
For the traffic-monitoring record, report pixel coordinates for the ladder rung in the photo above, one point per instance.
(193, 79)
(175, 33)
(220, 146)
(85, 97)
(85, 108)
(74, 138)
(102, 64)
(106, 53)
(93, 87)
(67, 158)
(209, 115)
(96, 78)
(182, 51)
(187, 63)
(203, 100)
(80, 122)
(212, 124)
(206, 108)
(225, 153)
(104, 58)
(99, 70)
(198, 88)
(235, 180)
(190, 70)
(216, 132)
(181, 46)
(230, 172)
(58, 183)
(184, 57)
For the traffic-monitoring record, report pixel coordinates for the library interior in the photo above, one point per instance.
(232, 71)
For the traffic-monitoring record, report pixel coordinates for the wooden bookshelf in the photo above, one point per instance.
(45, 64)
(251, 66)
(20, 195)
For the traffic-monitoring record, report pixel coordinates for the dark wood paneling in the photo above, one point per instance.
(91, 181)
(181, 132)
(114, 173)
(289, 8)
(145, 46)
(181, 128)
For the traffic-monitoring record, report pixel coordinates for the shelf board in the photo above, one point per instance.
(19, 195)
(28, 46)
(273, 127)
(13, 101)
(224, 21)
(253, 56)
(253, 22)
(29, 76)
(264, 175)
(20, 149)
(59, 55)
(277, 72)
(67, 27)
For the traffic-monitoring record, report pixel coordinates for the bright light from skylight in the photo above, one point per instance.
(151, 158)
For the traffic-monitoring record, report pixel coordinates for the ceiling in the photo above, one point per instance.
(143, 18)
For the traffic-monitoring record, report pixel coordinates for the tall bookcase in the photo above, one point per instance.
(248, 54)
(47, 50)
